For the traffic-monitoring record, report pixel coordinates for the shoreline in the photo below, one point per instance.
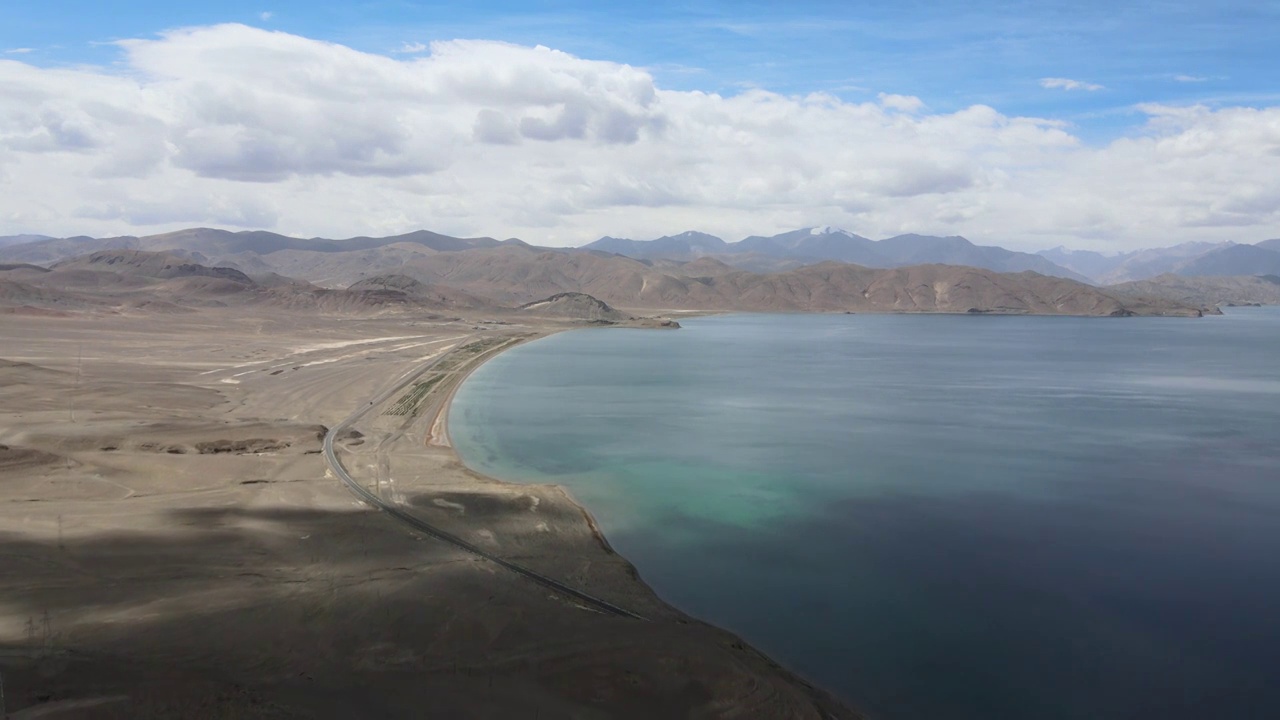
(395, 510)
(243, 574)
(440, 422)
(178, 544)
(440, 431)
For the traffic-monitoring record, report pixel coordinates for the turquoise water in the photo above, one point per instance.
(934, 516)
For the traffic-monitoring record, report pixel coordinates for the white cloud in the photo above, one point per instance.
(905, 103)
(413, 48)
(1189, 78)
(1068, 84)
(242, 127)
(266, 15)
(18, 51)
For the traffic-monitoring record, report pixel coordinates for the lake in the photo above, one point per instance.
(933, 515)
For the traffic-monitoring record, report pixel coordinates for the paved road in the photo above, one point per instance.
(422, 526)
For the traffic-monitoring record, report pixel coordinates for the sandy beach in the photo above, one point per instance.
(174, 544)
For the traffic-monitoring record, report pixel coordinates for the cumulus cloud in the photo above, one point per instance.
(905, 103)
(239, 210)
(266, 15)
(1068, 84)
(243, 127)
(412, 48)
(493, 127)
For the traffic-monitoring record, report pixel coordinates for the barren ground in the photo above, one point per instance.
(173, 545)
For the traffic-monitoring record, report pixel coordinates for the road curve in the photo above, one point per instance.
(420, 525)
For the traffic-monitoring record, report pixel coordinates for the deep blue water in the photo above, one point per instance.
(934, 516)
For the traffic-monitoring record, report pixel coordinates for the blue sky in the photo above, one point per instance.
(1096, 125)
(951, 54)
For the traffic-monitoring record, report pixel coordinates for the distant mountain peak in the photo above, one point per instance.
(829, 230)
(696, 236)
(689, 243)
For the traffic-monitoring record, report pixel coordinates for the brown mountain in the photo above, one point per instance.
(1107, 269)
(510, 274)
(521, 275)
(164, 282)
(402, 288)
(1205, 291)
(807, 246)
(578, 306)
(140, 263)
(1233, 260)
(18, 294)
(210, 246)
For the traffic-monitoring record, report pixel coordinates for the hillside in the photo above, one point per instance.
(212, 247)
(52, 250)
(16, 295)
(339, 263)
(932, 288)
(1135, 265)
(1090, 264)
(806, 246)
(511, 273)
(1205, 291)
(522, 275)
(6, 240)
(810, 243)
(1233, 260)
(1190, 259)
(147, 264)
(574, 305)
(136, 280)
(684, 246)
(402, 288)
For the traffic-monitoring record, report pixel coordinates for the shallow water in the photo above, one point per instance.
(933, 516)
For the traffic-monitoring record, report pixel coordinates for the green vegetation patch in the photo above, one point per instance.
(411, 402)
(471, 351)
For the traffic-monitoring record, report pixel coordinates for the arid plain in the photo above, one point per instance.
(175, 545)
(175, 541)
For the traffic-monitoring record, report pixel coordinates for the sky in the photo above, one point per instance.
(1097, 125)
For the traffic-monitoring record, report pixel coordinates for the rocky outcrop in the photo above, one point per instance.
(576, 306)
(403, 288)
(149, 264)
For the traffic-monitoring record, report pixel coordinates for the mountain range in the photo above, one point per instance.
(501, 277)
(1188, 259)
(1205, 291)
(203, 244)
(329, 262)
(21, 239)
(116, 280)
(811, 245)
(808, 269)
